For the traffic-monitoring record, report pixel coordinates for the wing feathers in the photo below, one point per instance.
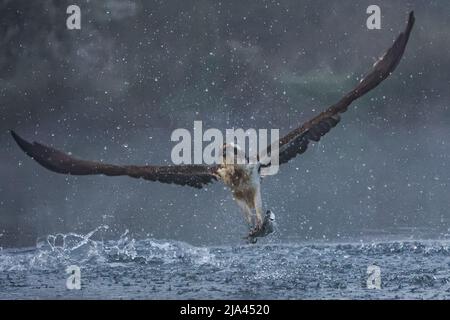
(57, 161)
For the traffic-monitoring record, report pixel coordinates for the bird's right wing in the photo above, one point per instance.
(296, 142)
(192, 175)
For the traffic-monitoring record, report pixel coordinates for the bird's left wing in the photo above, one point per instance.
(296, 141)
(192, 175)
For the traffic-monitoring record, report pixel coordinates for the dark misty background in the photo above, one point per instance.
(116, 89)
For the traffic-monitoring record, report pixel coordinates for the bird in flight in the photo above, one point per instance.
(243, 179)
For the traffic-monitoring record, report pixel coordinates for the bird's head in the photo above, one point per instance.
(233, 154)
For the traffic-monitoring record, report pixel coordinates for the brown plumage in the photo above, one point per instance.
(57, 161)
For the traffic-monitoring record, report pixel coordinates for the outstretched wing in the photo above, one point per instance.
(296, 141)
(57, 161)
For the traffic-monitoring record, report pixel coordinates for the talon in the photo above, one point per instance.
(251, 239)
(255, 230)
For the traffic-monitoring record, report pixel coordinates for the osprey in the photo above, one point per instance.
(244, 178)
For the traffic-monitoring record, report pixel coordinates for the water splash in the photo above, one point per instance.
(152, 268)
(61, 249)
(70, 248)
